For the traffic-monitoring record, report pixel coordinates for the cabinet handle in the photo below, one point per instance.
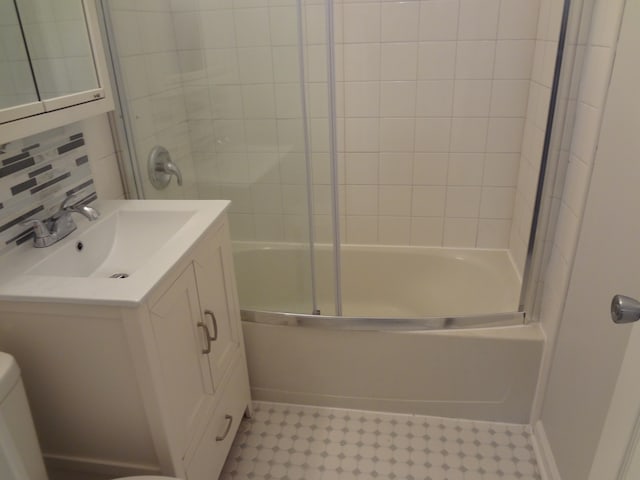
(229, 420)
(207, 349)
(215, 324)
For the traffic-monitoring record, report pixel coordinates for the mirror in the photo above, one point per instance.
(16, 81)
(58, 43)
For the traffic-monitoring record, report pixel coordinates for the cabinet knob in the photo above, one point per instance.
(209, 313)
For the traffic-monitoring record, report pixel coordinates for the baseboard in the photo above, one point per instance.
(546, 461)
(94, 468)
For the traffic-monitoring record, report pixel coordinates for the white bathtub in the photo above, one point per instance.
(378, 281)
(487, 373)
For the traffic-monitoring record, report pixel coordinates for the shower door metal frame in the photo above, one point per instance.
(539, 232)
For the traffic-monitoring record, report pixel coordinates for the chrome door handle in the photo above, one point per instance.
(229, 420)
(207, 336)
(625, 309)
(209, 313)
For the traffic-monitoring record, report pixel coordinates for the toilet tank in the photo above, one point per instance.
(20, 456)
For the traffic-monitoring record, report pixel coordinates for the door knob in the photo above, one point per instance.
(624, 309)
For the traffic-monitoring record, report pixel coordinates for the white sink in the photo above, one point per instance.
(116, 259)
(119, 244)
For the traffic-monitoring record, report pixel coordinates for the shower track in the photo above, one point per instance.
(380, 324)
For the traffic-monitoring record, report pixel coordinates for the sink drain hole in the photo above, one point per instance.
(119, 275)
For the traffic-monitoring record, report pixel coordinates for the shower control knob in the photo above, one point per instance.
(624, 309)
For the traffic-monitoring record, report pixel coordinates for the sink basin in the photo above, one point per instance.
(118, 245)
(115, 260)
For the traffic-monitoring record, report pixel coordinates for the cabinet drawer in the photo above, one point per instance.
(210, 454)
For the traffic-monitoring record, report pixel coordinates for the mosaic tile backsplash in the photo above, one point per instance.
(36, 174)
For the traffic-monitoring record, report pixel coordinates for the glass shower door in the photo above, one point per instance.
(222, 88)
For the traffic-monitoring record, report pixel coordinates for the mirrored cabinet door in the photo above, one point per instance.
(58, 43)
(17, 86)
(50, 57)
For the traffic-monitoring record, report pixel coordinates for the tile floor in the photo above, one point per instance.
(313, 443)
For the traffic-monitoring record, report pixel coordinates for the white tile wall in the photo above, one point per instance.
(432, 95)
(159, 99)
(434, 99)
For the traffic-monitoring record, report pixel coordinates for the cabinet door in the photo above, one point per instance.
(218, 299)
(183, 358)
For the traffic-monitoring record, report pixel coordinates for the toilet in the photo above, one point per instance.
(20, 456)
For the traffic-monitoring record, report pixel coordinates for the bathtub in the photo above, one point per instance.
(477, 365)
(378, 281)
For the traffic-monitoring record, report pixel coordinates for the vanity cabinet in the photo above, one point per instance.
(156, 389)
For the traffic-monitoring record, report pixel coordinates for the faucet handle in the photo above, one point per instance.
(68, 200)
(39, 228)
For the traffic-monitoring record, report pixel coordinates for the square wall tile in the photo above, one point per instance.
(258, 101)
(361, 62)
(505, 134)
(361, 22)
(361, 229)
(398, 99)
(218, 29)
(252, 27)
(397, 134)
(514, 59)
(362, 134)
(361, 99)
(460, 232)
(439, 20)
(361, 168)
(472, 98)
(465, 169)
(430, 168)
(432, 135)
(434, 98)
(394, 230)
(361, 199)
(493, 233)
(497, 202)
(399, 61)
(255, 65)
(478, 19)
(283, 23)
(428, 201)
(427, 231)
(509, 98)
(463, 202)
(396, 168)
(394, 200)
(518, 19)
(474, 60)
(501, 169)
(315, 32)
(469, 134)
(436, 60)
(400, 21)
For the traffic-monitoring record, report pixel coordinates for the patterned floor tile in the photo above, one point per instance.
(292, 442)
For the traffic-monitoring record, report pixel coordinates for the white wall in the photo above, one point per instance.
(559, 407)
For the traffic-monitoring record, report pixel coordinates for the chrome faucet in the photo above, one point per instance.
(60, 224)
